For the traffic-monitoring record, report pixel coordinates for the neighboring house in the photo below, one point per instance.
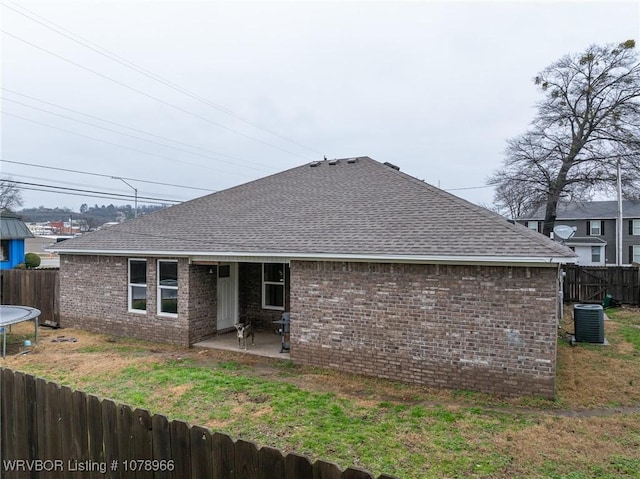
(595, 223)
(13, 232)
(382, 274)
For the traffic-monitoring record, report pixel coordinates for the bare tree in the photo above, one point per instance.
(588, 120)
(10, 195)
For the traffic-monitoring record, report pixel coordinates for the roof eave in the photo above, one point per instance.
(486, 260)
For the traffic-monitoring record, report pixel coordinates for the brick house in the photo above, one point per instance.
(382, 274)
(595, 226)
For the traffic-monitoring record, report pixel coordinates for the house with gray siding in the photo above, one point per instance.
(595, 226)
(382, 275)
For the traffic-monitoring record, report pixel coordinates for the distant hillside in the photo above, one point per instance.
(93, 216)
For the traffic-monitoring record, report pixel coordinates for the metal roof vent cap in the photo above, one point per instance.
(391, 165)
(334, 162)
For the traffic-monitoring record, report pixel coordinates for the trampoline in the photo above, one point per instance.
(16, 314)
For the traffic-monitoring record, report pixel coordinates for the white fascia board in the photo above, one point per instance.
(381, 258)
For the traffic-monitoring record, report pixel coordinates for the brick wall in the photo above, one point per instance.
(250, 297)
(490, 329)
(94, 296)
(201, 302)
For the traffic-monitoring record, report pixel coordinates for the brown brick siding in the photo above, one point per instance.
(201, 302)
(94, 296)
(490, 329)
(250, 297)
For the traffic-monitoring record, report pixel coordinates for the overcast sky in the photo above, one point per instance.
(233, 91)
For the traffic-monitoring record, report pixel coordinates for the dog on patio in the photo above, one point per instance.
(244, 332)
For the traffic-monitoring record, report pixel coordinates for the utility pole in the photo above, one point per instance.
(135, 190)
(619, 220)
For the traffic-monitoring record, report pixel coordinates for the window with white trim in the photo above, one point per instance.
(596, 254)
(636, 254)
(273, 276)
(137, 285)
(534, 225)
(635, 227)
(595, 228)
(167, 287)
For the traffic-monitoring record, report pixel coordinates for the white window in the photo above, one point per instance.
(595, 228)
(137, 285)
(635, 227)
(533, 225)
(273, 285)
(636, 254)
(168, 287)
(595, 254)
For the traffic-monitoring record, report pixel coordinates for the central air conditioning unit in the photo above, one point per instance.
(588, 322)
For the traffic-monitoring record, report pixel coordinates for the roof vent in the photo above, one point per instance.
(313, 164)
(334, 162)
(352, 160)
(391, 165)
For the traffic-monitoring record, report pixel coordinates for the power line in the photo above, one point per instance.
(119, 132)
(68, 170)
(11, 175)
(171, 105)
(120, 146)
(123, 61)
(89, 193)
(469, 188)
(124, 126)
(115, 195)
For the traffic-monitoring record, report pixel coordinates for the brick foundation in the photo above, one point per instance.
(490, 329)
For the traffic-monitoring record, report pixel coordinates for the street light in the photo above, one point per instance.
(135, 190)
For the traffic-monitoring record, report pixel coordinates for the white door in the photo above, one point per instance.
(227, 295)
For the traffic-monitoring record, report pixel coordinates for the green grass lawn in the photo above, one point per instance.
(385, 427)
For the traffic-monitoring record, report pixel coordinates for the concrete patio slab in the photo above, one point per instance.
(265, 344)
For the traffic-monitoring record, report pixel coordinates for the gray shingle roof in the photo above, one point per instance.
(589, 210)
(349, 208)
(12, 227)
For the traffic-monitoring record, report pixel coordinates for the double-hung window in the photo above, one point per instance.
(635, 250)
(137, 285)
(595, 228)
(635, 228)
(273, 276)
(595, 254)
(168, 287)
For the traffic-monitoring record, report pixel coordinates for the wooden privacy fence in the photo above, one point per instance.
(38, 288)
(590, 284)
(51, 431)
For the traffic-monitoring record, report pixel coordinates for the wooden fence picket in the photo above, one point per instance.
(161, 446)
(181, 441)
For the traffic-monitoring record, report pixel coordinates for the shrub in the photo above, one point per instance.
(31, 260)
